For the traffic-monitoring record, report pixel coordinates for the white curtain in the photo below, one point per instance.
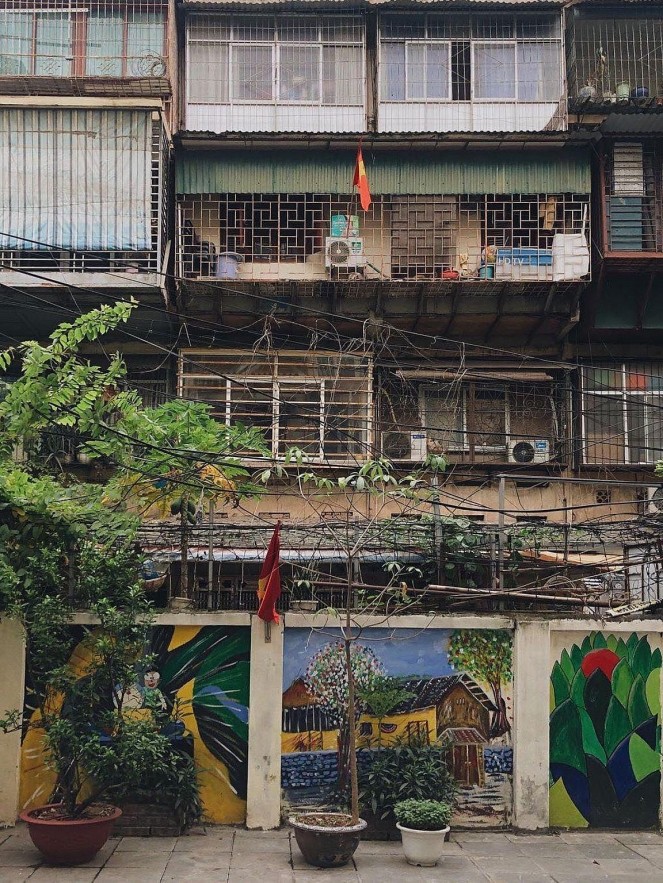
(75, 179)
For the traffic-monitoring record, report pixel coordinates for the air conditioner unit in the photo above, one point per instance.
(654, 501)
(526, 451)
(344, 254)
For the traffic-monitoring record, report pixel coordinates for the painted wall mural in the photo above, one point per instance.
(458, 686)
(605, 733)
(199, 681)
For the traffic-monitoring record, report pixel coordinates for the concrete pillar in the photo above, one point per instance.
(12, 666)
(263, 801)
(531, 679)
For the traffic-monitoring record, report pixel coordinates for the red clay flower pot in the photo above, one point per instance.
(69, 841)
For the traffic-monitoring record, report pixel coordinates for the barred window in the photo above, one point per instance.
(622, 413)
(312, 60)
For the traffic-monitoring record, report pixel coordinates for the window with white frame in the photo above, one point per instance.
(440, 57)
(622, 413)
(318, 402)
(305, 59)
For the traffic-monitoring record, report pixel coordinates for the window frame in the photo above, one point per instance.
(473, 40)
(625, 396)
(277, 44)
(79, 57)
(462, 401)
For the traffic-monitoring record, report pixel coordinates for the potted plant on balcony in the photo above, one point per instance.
(424, 825)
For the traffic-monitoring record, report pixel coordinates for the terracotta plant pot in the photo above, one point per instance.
(70, 841)
(326, 847)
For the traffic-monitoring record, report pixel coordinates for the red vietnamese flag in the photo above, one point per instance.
(360, 180)
(269, 581)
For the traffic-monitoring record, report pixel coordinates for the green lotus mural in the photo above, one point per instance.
(605, 737)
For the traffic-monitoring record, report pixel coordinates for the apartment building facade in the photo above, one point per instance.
(496, 302)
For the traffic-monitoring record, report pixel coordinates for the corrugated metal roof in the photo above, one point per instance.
(291, 171)
(372, 3)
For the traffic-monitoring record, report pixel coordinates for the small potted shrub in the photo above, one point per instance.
(424, 825)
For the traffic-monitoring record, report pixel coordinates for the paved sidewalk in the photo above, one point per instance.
(229, 855)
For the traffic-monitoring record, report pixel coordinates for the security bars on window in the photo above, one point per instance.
(254, 237)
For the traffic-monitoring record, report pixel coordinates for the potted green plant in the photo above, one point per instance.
(424, 825)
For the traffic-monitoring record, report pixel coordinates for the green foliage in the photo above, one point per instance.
(605, 723)
(414, 769)
(382, 696)
(423, 815)
(484, 653)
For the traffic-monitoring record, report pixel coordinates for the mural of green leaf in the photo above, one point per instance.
(622, 681)
(560, 684)
(642, 659)
(566, 737)
(578, 688)
(644, 759)
(605, 733)
(590, 741)
(637, 708)
(576, 657)
(567, 666)
(617, 725)
(653, 688)
(598, 694)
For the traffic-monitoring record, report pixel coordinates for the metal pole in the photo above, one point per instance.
(210, 556)
(501, 502)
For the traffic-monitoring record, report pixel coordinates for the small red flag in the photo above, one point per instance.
(360, 180)
(269, 581)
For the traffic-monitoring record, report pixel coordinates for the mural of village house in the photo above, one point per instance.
(459, 686)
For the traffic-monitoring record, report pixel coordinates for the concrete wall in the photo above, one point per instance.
(537, 645)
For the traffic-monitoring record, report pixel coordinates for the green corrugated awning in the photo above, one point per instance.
(280, 171)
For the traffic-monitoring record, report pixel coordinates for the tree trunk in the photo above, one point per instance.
(500, 722)
(352, 743)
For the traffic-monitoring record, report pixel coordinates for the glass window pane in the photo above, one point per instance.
(208, 73)
(105, 37)
(251, 28)
(299, 73)
(487, 418)
(539, 74)
(444, 417)
(341, 29)
(299, 417)
(252, 404)
(494, 71)
(145, 44)
(645, 429)
(416, 70)
(437, 71)
(300, 29)
(15, 42)
(604, 429)
(393, 72)
(252, 73)
(538, 26)
(409, 27)
(493, 26)
(342, 75)
(54, 50)
(208, 28)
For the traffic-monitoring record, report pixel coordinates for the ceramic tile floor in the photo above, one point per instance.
(228, 855)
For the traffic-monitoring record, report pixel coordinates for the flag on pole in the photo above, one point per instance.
(360, 180)
(269, 581)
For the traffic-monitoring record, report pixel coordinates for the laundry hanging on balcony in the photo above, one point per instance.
(75, 179)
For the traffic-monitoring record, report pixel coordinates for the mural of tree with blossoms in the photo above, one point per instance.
(486, 654)
(327, 680)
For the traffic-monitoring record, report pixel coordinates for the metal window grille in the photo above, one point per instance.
(307, 60)
(469, 421)
(622, 413)
(98, 38)
(253, 237)
(318, 402)
(615, 55)
(46, 257)
(633, 195)
(438, 58)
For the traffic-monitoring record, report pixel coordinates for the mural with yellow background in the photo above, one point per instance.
(201, 676)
